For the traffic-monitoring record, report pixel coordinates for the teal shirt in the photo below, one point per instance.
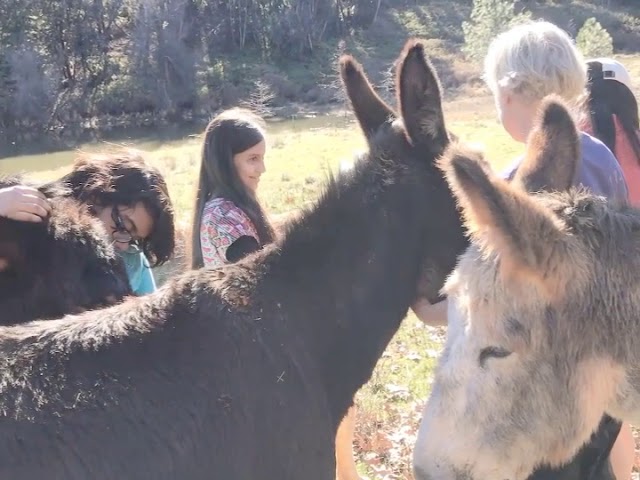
(139, 271)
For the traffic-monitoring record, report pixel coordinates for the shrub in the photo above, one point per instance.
(594, 40)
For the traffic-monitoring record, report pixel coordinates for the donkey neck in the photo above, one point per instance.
(347, 271)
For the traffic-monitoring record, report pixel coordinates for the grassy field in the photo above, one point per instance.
(300, 155)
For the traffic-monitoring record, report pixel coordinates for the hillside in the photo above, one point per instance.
(440, 23)
(71, 68)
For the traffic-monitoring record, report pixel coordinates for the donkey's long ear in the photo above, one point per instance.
(419, 97)
(504, 220)
(553, 150)
(370, 110)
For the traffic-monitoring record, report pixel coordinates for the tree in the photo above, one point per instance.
(488, 18)
(260, 99)
(594, 40)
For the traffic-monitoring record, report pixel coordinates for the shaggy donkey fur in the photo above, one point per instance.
(534, 350)
(61, 265)
(245, 372)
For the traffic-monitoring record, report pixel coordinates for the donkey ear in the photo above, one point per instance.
(553, 150)
(419, 97)
(370, 110)
(504, 220)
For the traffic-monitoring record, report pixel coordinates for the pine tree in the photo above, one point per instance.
(594, 40)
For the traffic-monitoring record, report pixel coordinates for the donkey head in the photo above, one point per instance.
(407, 143)
(539, 315)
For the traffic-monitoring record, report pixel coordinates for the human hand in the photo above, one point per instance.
(25, 204)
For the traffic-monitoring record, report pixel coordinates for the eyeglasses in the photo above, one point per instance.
(120, 232)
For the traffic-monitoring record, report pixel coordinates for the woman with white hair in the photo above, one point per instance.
(524, 65)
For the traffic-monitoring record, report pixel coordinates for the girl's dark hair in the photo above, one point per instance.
(607, 98)
(123, 178)
(230, 133)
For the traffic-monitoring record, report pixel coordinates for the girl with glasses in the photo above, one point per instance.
(129, 197)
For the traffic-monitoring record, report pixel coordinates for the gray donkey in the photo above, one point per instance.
(543, 316)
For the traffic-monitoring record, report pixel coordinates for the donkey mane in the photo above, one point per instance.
(39, 350)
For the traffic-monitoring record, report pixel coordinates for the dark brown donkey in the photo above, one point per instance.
(245, 372)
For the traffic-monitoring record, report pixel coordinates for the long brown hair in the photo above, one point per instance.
(231, 132)
(607, 98)
(123, 178)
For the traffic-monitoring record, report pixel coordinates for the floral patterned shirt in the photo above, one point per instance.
(222, 224)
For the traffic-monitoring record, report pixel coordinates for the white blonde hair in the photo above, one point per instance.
(535, 59)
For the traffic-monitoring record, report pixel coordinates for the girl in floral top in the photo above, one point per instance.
(229, 222)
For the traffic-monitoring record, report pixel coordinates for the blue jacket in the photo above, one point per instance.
(139, 271)
(599, 170)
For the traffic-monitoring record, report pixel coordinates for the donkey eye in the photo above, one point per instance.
(492, 352)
